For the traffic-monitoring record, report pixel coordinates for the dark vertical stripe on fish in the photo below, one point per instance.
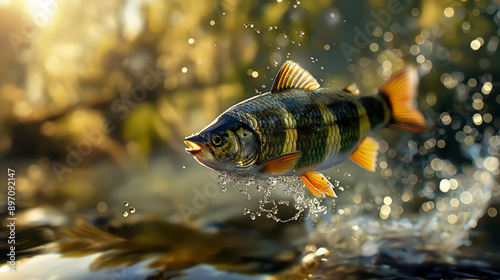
(377, 110)
(311, 132)
(347, 116)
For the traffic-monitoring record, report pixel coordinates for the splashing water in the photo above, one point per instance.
(268, 204)
(131, 210)
(423, 211)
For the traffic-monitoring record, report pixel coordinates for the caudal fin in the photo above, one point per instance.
(401, 91)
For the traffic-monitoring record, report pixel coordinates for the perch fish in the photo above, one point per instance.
(299, 128)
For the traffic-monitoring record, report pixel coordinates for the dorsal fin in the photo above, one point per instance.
(352, 88)
(291, 75)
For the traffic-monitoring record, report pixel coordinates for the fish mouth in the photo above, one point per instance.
(194, 148)
(199, 150)
(196, 145)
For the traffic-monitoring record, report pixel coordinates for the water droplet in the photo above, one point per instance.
(183, 167)
(125, 214)
(125, 203)
(252, 216)
(245, 211)
(132, 210)
(250, 24)
(224, 189)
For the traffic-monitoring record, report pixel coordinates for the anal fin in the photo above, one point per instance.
(366, 154)
(281, 164)
(318, 184)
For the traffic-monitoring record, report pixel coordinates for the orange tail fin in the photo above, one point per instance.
(401, 91)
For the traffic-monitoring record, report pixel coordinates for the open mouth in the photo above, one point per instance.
(194, 148)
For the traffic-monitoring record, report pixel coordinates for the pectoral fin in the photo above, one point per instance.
(318, 184)
(281, 164)
(366, 154)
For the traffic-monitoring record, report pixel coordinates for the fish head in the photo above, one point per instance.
(226, 144)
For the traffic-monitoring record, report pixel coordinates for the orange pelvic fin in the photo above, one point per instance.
(401, 91)
(281, 164)
(366, 154)
(318, 184)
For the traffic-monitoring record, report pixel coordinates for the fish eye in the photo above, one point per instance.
(217, 140)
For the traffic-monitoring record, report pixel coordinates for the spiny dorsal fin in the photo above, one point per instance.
(352, 88)
(291, 75)
(366, 154)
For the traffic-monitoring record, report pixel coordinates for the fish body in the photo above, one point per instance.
(324, 125)
(299, 128)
